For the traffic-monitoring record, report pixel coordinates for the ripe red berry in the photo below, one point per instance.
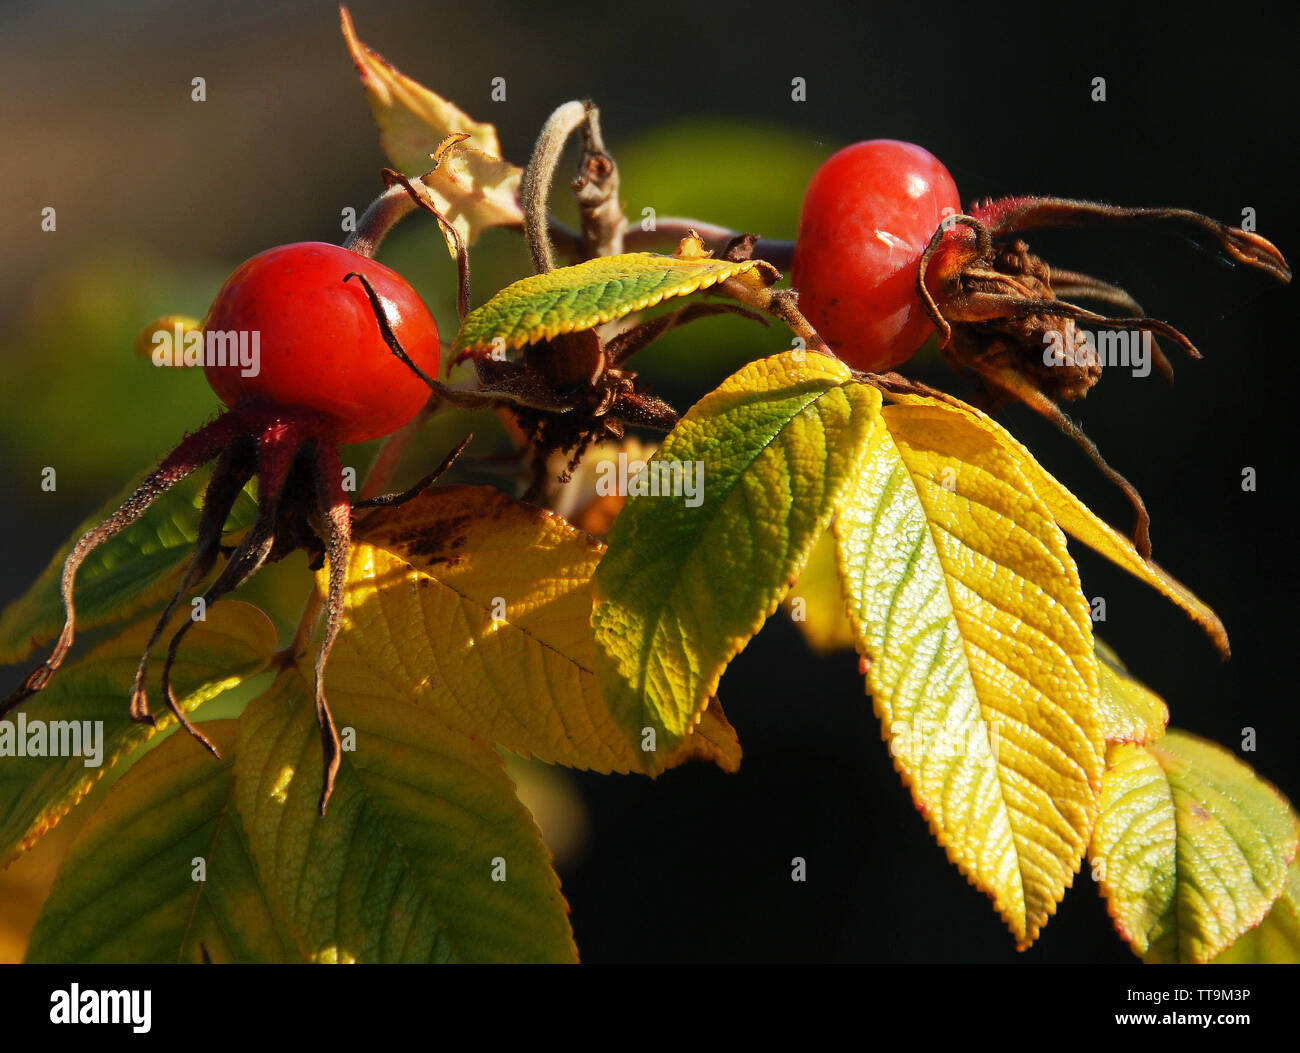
(869, 213)
(320, 347)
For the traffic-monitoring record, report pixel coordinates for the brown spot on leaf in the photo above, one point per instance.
(431, 541)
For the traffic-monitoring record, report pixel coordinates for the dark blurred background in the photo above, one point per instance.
(158, 197)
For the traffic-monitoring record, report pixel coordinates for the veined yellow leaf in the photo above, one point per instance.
(478, 608)
(1077, 520)
(1191, 847)
(129, 891)
(426, 854)
(968, 609)
(685, 584)
(569, 299)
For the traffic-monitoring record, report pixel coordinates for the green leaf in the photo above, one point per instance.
(569, 299)
(968, 609)
(128, 890)
(232, 645)
(138, 568)
(401, 868)
(1191, 847)
(682, 589)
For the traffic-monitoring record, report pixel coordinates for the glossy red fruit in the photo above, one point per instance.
(319, 344)
(869, 213)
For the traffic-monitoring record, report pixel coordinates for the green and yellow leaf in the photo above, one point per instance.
(234, 644)
(1276, 939)
(477, 607)
(425, 855)
(968, 609)
(682, 589)
(1077, 520)
(1191, 847)
(138, 568)
(569, 299)
(130, 890)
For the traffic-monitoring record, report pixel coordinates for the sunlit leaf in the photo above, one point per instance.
(234, 644)
(1077, 520)
(1191, 847)
(583, 296)
(1130, 711)
(471, 186)
(686, 583)
(138, 568)
(473, 191)
(969, 612)
(412, 119)
(478, 608)
(129, 890)
(1276, 939)
(425, 855)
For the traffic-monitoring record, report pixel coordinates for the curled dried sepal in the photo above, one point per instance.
(1001, 314)
(193, 452)
(997, 306)
(300, 487)
(1014, 215)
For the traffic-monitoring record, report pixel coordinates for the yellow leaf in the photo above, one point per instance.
(968, 609)
(412, 119)
(816, 602)
(1077, 520)
(478, 607)
(1130, 711)
(1191, 847)
(470, 185)
(473, 191)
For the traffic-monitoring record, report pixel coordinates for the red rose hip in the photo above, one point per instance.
(869, 213)
(319, 346)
